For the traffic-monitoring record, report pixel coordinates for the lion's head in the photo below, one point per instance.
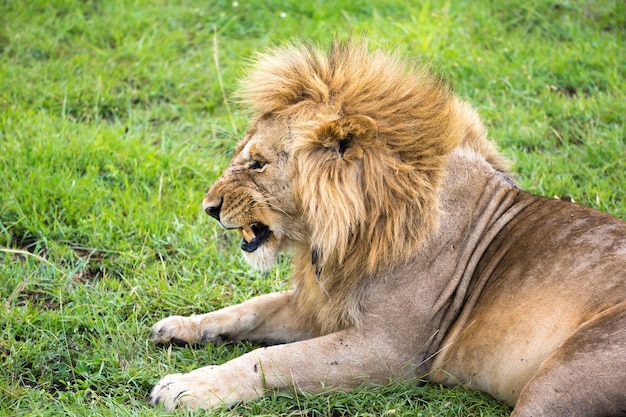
(342, 163)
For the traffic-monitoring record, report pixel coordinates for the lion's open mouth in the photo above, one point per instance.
(253, 236)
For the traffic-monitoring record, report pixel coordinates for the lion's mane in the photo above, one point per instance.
(373, 206)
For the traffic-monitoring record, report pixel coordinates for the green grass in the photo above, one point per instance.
(113, 124)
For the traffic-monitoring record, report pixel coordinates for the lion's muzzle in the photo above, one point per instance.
(253, 235)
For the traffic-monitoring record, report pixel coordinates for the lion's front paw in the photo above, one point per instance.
(180, 391)
(167, 392)
(176, 330)
(203, 388)
(205, 328)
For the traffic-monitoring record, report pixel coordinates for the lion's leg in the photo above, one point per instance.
(342, 360)
(269, 318)
(585, 376)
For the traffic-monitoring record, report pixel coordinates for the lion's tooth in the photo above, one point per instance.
(247, 233)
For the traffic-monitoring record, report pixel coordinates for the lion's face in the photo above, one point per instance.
(254, 196)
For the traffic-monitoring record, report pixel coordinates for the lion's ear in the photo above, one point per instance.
(349, 135)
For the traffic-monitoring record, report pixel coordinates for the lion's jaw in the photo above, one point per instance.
(253, 195)
(260, 244)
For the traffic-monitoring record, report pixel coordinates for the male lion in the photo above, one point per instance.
(415, 254)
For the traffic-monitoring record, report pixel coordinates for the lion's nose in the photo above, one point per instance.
(213, 209)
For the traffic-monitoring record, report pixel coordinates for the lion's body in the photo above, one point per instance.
(414, 252)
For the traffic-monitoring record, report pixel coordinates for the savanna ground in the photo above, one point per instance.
(113, 122)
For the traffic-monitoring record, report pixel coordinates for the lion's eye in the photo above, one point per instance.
(256, 165)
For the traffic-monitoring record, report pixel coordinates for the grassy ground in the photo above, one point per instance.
(113, 123)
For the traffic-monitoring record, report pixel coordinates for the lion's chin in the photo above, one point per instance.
(260, 246)
(263, 258)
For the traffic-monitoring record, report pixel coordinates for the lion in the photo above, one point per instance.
(415, 254)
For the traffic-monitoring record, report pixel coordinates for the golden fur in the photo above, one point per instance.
(414, 251)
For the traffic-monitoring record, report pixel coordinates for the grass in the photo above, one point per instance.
(113, 124)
